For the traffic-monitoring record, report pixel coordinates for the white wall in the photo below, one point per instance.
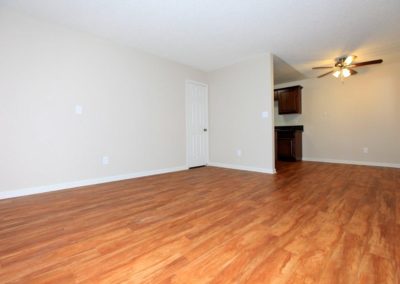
(340, 119)
(238, 94)
(133, 106)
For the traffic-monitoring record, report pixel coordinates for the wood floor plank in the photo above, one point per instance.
(310, 223)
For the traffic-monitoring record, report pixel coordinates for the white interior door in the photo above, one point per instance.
(196, 124)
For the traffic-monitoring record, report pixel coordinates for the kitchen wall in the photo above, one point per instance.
(240, 137)
(132, 108)
(356, 121)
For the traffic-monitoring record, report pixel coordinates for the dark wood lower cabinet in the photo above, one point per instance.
(289, 144)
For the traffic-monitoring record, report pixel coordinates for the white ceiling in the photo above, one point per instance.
(209, 34)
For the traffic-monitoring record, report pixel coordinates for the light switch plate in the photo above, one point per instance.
(264, 114)
(78, 109)
(105, 160)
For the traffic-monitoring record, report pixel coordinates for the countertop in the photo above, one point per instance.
(289, 128)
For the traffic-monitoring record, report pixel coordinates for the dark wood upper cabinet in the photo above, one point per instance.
(289, 99)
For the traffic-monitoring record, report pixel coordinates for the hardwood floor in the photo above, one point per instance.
(310, 223)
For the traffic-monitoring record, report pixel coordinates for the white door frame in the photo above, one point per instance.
(187, 119)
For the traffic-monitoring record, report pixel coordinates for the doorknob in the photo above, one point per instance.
(205, 129)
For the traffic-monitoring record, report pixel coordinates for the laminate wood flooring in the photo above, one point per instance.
(310, 223)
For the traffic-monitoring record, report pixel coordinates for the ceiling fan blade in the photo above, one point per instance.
(352, 72)
(366, 63)
(320, 76)
(322, 67)
(349, 59)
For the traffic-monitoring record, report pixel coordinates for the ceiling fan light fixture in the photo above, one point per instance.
(349, 59)
(336, 73)
(346, 72)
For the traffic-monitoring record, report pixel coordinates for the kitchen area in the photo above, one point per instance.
(288, 136)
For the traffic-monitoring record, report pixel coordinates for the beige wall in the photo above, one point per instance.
(133, 106)
(340, 119)
(238, 95)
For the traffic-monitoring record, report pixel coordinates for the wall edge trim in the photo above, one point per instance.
(352, 162)
(242, 168)
(86, 182)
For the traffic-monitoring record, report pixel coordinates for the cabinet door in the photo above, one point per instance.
(298, 146)
(285, 149)
(288, 101)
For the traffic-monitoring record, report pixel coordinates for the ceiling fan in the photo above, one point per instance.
(344, 65)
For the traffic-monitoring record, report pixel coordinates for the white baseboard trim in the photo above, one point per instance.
(242, 168)
(73, 184)
(350, 162)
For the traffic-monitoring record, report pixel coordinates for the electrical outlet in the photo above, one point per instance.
(365, 150)
(105, 160)
(238, 152)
